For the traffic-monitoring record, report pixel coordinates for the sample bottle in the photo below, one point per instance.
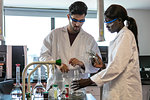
(45, 95)
(55, 91)
(16, 92)
(66, 91)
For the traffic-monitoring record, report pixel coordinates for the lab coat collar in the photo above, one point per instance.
(120, 32)
(65, 31)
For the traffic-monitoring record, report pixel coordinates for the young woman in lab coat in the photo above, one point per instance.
(121, 78)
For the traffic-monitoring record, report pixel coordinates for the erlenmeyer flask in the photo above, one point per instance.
(38, 91)
(16, 92)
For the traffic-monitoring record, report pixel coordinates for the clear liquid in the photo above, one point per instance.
(38, 91)
(16, 93)
(77, 95)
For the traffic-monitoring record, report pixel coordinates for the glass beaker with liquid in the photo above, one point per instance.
(16, 92)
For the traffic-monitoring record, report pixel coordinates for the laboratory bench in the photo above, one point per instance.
(87, 97)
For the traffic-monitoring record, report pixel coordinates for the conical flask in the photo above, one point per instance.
(16, 92)
(38, 90)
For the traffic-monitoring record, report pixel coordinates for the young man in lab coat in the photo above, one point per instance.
(71, 44)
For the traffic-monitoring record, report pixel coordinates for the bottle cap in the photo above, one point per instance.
(55, 85)
(66, 85)
(58, 62)
(45, 95)
(17, 65)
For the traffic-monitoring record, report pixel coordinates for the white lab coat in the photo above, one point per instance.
(57, 46)
(121, 78)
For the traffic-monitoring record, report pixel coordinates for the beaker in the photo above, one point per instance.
(81, 92)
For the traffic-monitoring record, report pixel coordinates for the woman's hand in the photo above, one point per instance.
(99, 63)
(78, 84)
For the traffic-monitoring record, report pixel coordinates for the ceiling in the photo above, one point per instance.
(64, 4)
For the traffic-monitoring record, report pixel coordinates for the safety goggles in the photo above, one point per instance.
(75, 20)
(110, 21)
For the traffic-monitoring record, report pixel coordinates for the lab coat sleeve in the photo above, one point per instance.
(46, 50)
(118, 64)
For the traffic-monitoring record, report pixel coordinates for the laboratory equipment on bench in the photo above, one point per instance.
(47, 63)
(55, 91)
(16, 92)
(80, 93)
(67, 91)
(38, 90)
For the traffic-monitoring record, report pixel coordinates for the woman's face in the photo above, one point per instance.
(112, 24)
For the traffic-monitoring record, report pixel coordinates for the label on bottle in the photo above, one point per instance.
(55, 93)
(66, 92)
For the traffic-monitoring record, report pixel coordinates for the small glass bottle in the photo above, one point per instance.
(16, 92)
(45, 95)
(55, 91)
(66, 91)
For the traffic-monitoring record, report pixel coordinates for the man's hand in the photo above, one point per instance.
(74, 62)
(96, 63)
(64, 68)
(78, 84)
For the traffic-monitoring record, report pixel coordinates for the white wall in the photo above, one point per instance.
(142, 18)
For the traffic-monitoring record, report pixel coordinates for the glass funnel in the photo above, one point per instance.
(16, 92)
(38, 90)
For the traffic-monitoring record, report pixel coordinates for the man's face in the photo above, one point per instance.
(76, 22)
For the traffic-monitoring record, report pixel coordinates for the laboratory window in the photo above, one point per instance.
(27, 30)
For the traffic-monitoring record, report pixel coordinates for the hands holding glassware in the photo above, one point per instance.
(64, 68)
(75, 61)
(78, 84)
(96, 62)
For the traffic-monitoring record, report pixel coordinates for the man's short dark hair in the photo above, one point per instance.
(78, 7)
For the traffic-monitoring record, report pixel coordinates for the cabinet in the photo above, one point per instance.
(95, 91)
(146, 92)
